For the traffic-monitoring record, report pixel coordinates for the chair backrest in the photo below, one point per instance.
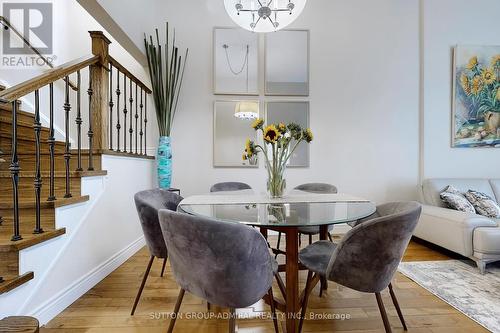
(227, 264)
(148, 203)
(317, 188)
(368, 256)
(230, 186)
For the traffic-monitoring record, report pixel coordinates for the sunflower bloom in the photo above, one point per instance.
(244, 157)
(495, 61)
(282, 128)
(472, 63)
(308, 135)
(477, 84)
(464, 81)
(249, 148)
(257, 124)
(271, 134)
(489, 76)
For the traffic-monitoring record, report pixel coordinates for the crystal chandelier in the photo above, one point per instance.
(264, 15)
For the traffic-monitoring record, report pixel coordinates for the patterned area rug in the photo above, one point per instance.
(460, 284)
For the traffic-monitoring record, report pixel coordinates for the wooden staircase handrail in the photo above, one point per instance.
(54, 74)
(131, 76)
(7, 25)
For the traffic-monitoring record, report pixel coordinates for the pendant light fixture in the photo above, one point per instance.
(247, 110)
(264, 15)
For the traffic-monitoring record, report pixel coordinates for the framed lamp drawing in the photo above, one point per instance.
(232, 127)
(291, 112)
(287, 63)
(476, 97)
(236, 62)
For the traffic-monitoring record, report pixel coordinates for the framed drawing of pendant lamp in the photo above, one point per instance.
(236, 62)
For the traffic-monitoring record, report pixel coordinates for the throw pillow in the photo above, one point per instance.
(483, 204)
(454, 199)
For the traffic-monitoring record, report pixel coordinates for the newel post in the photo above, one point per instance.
(99, 86)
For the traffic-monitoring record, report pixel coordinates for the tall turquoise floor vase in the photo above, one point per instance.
(164, 162)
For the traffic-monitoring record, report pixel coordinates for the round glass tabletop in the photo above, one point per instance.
(298, 214)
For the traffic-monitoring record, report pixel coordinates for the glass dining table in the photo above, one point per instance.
(286, 215)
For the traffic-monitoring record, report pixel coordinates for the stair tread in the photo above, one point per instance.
(31, 139)
(8, 120)
(7, 245)
(47, 204)
(14, 282)
(57, 174)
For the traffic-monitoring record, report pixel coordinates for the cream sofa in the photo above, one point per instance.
(471, 235)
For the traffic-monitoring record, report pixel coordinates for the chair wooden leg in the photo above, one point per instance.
(176, 310)
(306, 299)
(323, 286)
(396, 305)
(232, 321)
(143, 283)
(163, 267)
(330, 237)
(385, 319)
(273, 310)
(281, 284)
(310, 239)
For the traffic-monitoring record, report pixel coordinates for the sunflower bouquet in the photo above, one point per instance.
(481, 86)
(280, 142)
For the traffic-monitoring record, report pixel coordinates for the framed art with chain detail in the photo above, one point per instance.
(236, 62)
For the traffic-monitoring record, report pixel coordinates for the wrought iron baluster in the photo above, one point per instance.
(124, 113)
(37, 125)
(145, 123)
(118, 92)
(111, 104)
(79, 121)
(131, 130)
(141, 132)
(51, 141)
(1, 217)
(90, 132)
(136, 117)
(67, 152)
(14, 172)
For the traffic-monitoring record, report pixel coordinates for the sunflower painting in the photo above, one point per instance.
(476, 97)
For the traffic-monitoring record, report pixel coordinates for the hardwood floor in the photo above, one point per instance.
(106, 307)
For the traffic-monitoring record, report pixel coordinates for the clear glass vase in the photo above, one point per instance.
(276, 184)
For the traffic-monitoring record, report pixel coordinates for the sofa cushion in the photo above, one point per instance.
(487, 240)
(484, 204)
(495, 185)
(456, 200)
(431, 188)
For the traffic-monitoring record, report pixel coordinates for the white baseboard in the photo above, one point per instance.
(66, 297)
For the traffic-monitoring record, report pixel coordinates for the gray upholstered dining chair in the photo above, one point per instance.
(367, 257)
(227, 264)
(148, 203)
(230, 186)
(320, 188)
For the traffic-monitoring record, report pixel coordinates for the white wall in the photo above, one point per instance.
(448, 23)
(364, 93)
